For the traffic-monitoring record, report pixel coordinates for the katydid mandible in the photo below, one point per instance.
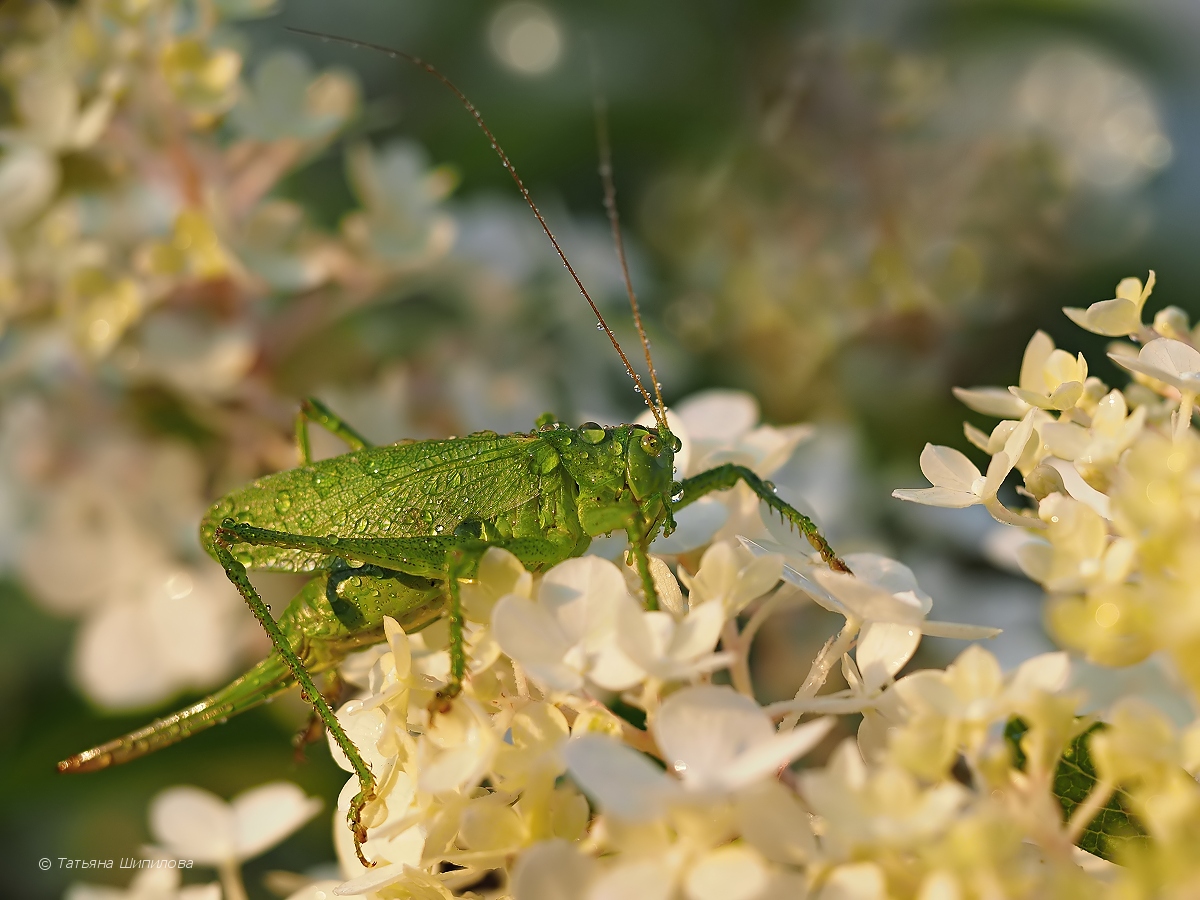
(394, 530)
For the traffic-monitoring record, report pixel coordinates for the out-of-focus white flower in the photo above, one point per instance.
(886, 807)
(1120, 316)
(569, 633)
(148, 884)
(713, 739)
(400, 223)
(957, 483)
(191, 823)
(956, 707)
(285, 100)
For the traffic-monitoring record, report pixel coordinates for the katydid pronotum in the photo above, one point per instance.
(394, 530)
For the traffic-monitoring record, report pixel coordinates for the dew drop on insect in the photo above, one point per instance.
(770, 486)
(438, 529)
(676, 491)
(283, 502)
(333, 539)
(592, 433)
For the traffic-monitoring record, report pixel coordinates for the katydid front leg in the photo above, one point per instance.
(724, 477)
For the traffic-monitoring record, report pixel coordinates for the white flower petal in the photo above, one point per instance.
(937, 496)
(992, 401)
(1037, 351)
(718, 415)
(265, 815)
(765, 758)
(551, 870)
(772, 820)
(697, 634)
(1114, 318)
(621, 780)
(701, 730)
(580, 594)
(867, 601)
(195, 824)
(957, 630)
(1048, 672)
(883, 649)
(648, 879)
(528, 633)
(731, 872)
(1171, 356)
(946, 467)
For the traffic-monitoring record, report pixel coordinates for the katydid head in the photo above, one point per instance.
(649, 461)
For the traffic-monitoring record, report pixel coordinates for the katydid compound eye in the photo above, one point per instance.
(650, 444)
(591, 433)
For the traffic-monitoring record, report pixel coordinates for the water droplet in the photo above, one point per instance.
(770, 486)
(283, 502)
(599, 326)
(592, 433)
(333, 539)
(438, 529)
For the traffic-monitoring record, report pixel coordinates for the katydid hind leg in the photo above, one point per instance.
(314, 728)
(366, 780)
(724, 477)
(265, 680)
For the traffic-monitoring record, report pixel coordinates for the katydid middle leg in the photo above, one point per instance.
(724, 477)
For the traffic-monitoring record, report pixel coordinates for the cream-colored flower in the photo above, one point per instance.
(1117, 317)
(713, 741)
(957, 483)
(880, 808)
(148, 884)
(1077, 551)
(1005, 404)
(190, 823)
(568, 634)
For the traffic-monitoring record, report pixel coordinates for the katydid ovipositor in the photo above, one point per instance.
(392, 530)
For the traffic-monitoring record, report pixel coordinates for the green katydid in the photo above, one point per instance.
(393, 530)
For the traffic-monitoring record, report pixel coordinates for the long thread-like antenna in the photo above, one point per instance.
(614, 220)
(470, 107)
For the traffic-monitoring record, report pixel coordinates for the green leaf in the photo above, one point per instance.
(1115, 827)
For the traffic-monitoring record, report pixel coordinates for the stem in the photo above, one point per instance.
(739, 669)
(232, 887)
(1183, 419)
(833, 650)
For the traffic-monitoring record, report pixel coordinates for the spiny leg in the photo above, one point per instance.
(457, 565)
(312, 730)
(313, 410)
(724, 477)
(236, 573)
(641, 559)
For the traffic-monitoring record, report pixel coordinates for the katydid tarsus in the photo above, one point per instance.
(394, 530)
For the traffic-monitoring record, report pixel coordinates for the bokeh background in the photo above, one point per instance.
(844, 208)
